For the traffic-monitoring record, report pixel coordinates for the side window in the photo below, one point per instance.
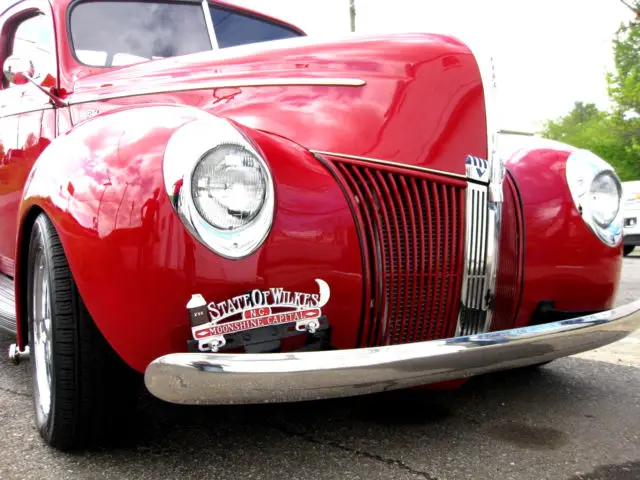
(33, 41)
(233, 28)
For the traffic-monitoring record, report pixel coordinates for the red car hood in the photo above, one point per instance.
(407, 98)
(303, 57)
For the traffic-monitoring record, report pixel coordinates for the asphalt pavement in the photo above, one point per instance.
(575, 418)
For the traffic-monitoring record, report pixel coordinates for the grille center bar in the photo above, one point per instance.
(484, 200)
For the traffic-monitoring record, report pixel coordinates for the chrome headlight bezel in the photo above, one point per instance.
(582, 168)
(186, 148)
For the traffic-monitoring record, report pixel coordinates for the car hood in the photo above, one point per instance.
(411, 98)
(303, 57)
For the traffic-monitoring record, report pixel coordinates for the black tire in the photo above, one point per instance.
(91, 391)
(627, 249)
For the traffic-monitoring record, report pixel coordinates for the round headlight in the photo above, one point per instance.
(597, 194)
(604, 196)
(229, 186)
(220, 185)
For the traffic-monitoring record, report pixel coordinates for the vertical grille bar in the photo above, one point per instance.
(413, 248)
(422, 262)
(447, 258)
(430, 254)
(437, 274)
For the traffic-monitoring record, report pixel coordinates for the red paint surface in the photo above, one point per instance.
(135, 264)
(564, 260)
(386, 119)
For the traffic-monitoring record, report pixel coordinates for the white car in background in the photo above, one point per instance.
(631, 207)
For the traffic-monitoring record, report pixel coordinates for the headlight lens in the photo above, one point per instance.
(597, 194)
(229, 187)
(220, 186)
(604, 196)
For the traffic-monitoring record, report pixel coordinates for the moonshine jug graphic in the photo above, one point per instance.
(197, 308)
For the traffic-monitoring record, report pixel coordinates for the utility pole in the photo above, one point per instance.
(352, 13)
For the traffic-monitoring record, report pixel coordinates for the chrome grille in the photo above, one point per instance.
(484, 210)
(475, 301)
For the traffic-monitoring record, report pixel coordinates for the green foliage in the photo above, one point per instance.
(624, 83)
(605, 134)
(614, 135)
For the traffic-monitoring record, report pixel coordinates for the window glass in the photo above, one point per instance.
(233, 28)
(33, 40)
(111, 33)
(33, 35)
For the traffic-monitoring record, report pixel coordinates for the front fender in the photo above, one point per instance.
(135, 264)
(69, 181)
(564, 261)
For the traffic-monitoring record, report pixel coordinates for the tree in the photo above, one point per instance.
(624, 82)
(600, 132)
(634, 6)
(612, 135)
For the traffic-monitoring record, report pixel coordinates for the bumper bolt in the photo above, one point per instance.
(16, 355)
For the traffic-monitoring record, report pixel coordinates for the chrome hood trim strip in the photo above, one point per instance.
(389, 163)
(194, 378)
(230, 83)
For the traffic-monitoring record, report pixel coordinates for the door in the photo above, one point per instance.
(27, 123)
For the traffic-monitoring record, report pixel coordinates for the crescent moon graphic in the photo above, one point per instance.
(325, 292)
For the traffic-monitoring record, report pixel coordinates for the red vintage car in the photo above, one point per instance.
(206, 201)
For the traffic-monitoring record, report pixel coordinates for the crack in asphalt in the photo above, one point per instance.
(389, 461)
(15, 392)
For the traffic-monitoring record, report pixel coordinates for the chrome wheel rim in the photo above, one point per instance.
(41, 318)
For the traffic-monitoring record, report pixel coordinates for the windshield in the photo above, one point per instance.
(113, 33)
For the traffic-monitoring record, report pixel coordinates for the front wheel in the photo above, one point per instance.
(81, 389)
(628, 249)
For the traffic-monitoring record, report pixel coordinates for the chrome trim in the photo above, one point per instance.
(478, 169)
(7, 304)
(582, 168)
(42, 342)
(186, 147)
(209, 22)
(515, 132)
(389, 163)
(473, 314)
(230, 83)
(19, 109)
(482, 244)
(201, 378)
(16, 355)
(494, 226)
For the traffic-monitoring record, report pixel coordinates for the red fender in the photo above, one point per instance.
(102, 186)
(564, 261)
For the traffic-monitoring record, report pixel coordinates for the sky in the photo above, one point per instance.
(548, 53)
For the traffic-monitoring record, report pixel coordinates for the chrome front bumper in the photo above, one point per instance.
(208, 378)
